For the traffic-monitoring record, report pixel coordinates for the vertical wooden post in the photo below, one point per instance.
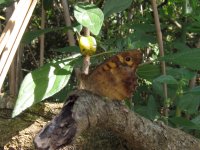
(13, 33)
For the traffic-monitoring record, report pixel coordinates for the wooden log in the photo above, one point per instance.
(84, 111)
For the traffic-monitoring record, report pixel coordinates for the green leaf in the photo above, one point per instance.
(166, 79)
(181, 73)
(182, 122)
(31, 35)
(158, 89)
(68, 49)
(189, 102)
(90, 16)
(141, 110)
(5, 2)
(43, 83)
(181, 46)
(193, 27)
(148, 71)
(114, 6)
(152, 108)
(196, 120)
(195, 90)
(188, 59)
(77, 27)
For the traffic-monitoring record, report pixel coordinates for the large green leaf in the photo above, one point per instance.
(114, 6)
(195, 90)
(158, 85)
(43, 83)
(90, 16)
(189, 102)
(180, 46)
(181, 73)
(182, 122)
(148, 71)
(158, 89)
(166, 79)
(188, 59)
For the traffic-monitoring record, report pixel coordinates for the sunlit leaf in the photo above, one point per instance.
(43, 83)
(90, 16)
(2, 18)
(5, 2)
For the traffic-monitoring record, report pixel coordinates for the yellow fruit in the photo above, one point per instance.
(87, 45)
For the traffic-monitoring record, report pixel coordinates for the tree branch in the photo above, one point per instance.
(83, 111)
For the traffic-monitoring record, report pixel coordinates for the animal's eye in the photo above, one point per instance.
(128, 58)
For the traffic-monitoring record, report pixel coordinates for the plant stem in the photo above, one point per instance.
(160, 44)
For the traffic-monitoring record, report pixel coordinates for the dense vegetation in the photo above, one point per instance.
(126, 25)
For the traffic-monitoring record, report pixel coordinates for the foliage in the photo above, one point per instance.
(43, 83)
(129, 24)
(112, 6)
(90, 16)
(4, 3)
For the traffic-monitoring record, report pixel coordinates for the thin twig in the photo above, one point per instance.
(42, 37)
(160, 44)
(31, 53)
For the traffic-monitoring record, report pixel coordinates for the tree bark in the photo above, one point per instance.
(84, 111)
